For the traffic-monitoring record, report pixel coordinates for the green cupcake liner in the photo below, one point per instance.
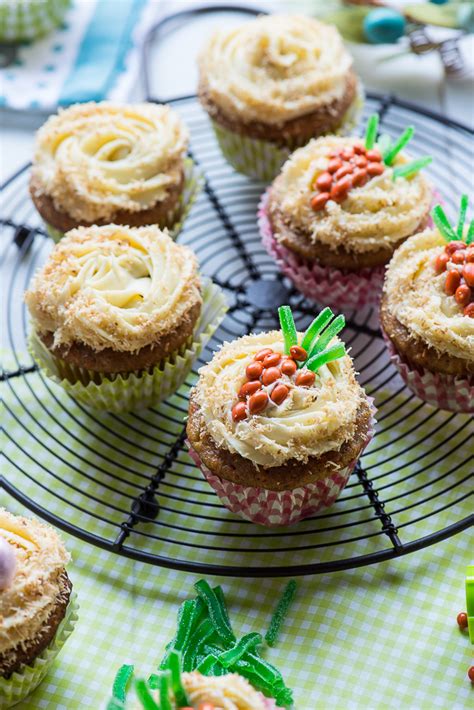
(262, 159)
(140, 389)
(27, 19)
(193, 182)
(23, 682)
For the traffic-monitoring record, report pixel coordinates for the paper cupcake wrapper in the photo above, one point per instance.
(331, 286)
(23, 682)
(140, 389)
(262, 159)
(193, 182)
(28, 19)
(456, 394)
(276, 508)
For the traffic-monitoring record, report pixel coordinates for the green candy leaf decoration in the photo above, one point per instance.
(315, 328)
(470, 233)
(175, 664)
(411, 168)
(122, 681)
(405, 138)
(384, 143)
(211, 666)
(328, 355)
(144, 695)
(332, 330)
(281, 611)
(442, 222)
(288, 327)
(247, 643)
(462, 216)
(371, 131)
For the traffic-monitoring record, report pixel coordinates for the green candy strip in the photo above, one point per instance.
(405, 138)
(217, 613)
(462, 216)
(470, 233)
(280, 613)
(121, 682)
(204, 632)
(115, 704)
(288, 328)
(211, 666)
(175, 665)
(333, 329)
(164, 692)
(441, 221)
(411, 168)
(328, 355)
(371, 131)
(384, 143)
(190, 615)
(247, 643)
(144, 695)
(315, 328)
(219, 592)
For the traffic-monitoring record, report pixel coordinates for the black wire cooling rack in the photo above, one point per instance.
(126, 484)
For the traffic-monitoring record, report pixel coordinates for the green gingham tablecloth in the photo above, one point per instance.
(383, 636)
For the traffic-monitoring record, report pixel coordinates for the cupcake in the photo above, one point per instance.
(271, 85)
(25, 20)
(37, 610)
(103, 163)
(277, 421)
(338, 210)
(119, 314)
(427, 312)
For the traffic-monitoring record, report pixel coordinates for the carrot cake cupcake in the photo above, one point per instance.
(117, 315)
(36, 608)
(102, 163)
(336, 213)
(277, 421)
(427, 312)
(273, 83)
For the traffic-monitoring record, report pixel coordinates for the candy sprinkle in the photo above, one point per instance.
(280, 613)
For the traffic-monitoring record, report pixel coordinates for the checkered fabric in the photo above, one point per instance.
(321, 283)
(28, 19)
(372, 638)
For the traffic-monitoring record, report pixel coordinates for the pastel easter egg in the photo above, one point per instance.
(7, 563)
(384, 26)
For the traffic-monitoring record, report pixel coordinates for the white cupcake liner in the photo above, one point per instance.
(23, 682)
(176, 217)
(140, 389)
(325, 284)
(261, 159)
(276, 508)
(456, 394)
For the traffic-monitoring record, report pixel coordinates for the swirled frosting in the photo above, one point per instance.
(94, 159)
(113, 286)
(229, 692)
(379, 214)
(275, 68)
(417, 298)
(310, 421)
(28, 601)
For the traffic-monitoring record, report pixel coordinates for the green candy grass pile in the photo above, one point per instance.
(447, 231)
(205, 642)
(390, 149)
(316, 338)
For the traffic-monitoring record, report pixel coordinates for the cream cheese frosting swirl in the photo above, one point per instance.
(379, 214)
(113, 286)
(275, 68)
(310, 421)
(229, 692)
(94, 159)
(29, 600)
(417, 298)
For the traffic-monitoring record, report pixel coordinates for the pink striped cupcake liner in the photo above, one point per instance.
(331, 286)
(456, 394)
(276, 508)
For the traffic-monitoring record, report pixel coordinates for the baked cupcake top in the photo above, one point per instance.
(114, 287)
(260, 400)
(274, 68)
(424, 297)
(29, 596)
(340, 193)
(94, 159)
